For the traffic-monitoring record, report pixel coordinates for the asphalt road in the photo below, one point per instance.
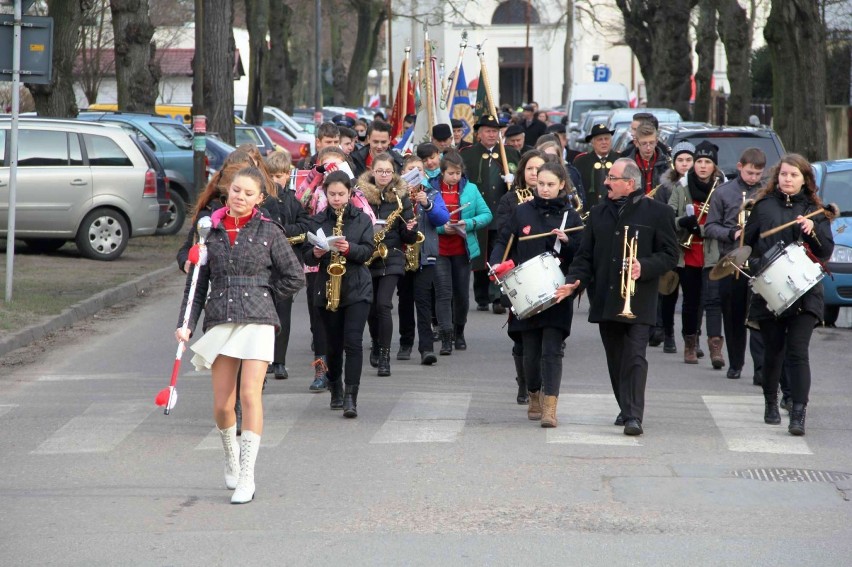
(440, 468)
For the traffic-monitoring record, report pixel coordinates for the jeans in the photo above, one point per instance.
(452, 295)
(348, 323)
(543, 359)
(381, 316)
(625, 346)
(787, 340)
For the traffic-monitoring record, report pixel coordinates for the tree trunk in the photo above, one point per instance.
(705, 48)
(796, 40)
(657, 32)
(735, 35)
(137, 74)
(281, 73)
(568, 53)
(257, 21)
(219, 61)
(371, 16)
(57, 98)
(338, 67)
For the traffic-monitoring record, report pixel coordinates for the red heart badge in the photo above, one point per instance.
(526, 230)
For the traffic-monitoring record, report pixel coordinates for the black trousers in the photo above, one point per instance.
(543, 359)
(284, 309)
(625, 346)
(315, 316)
(733, 294)
(381, 310)
(416, 292)
(690, 283)
(787, 340)
(348, 323)
(452, 291)
(711, 304)
(483, 291)
(405, 309)
(667, 311)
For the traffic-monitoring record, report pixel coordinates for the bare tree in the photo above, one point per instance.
(95, 40)
(57, 98)
(282, 75)
(257, 22)
(795, 35)
(137, 74)
(219, 53)
(369, 17)
(705, 48)
(735, 33)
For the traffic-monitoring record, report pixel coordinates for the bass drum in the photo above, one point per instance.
(530, 287)
(789, 276)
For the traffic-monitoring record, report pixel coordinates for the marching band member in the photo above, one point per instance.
(594, 165)
(248, 261)
(343, 299)
(601, 261)
(789, 195)
(549, 211)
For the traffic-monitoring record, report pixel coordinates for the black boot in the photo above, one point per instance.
(797, 420)
(350, 401)
(374, 354)
(461, 344)
(523, 396)
(336, 389)
(404, 352)
(446, 343)
(669, 344)
(771, 414)
(384, 361)
(657, 337)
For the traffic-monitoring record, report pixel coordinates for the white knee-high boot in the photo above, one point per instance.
(249, 445)
(232, 456)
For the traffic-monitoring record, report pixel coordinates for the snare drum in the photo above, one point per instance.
(531, 286)
(787, 278)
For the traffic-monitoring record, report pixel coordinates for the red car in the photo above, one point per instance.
(297, 149)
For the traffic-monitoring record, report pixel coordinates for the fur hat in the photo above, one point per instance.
(707, 150)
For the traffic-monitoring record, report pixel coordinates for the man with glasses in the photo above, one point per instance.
(600, 261)
(652, 160)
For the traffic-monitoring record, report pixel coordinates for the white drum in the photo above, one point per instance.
(787, 278)
(531, 286)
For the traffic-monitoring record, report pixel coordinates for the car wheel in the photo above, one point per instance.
(43, 245)
(830, 314)
(177, 215)
(103, 235)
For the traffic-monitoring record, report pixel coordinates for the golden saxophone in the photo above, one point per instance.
(381, 250)
(336, 268)
(523, 193)
(628, 284)
(705, 208)
(578, 205)
(412, 253)
(298, 239)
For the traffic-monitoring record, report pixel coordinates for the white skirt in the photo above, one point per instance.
(243, 341)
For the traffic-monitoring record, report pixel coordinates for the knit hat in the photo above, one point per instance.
(707, 150)
(683, 148)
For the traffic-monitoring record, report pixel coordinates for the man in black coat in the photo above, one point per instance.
(600, 261)
(594, 165)
(533, 128)
(378, 142)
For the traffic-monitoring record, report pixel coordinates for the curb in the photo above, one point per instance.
(81, 310)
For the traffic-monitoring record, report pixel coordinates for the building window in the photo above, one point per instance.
(515, 12)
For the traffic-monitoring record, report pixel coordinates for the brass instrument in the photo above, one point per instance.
(381, 250)
(742, 217)
(298, 239)
(336, 268)
(412, 253)
(578, 205)
(523, 193)
(628, 284)
(705, 208)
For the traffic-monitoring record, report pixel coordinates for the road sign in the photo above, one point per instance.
(601, 73)
(36, 48)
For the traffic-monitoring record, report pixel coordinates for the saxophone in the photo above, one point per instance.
(412, 253)
(523, 193)
(381, 250)
(336, 268)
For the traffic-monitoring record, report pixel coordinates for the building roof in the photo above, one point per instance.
(174, 62)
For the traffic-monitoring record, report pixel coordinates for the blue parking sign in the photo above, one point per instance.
(601, 74)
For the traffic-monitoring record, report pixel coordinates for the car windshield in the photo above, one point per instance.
(838, 189)
(176, 133)
(581, 106)
(247, 136)
(732, 145)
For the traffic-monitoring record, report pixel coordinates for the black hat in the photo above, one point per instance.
(556, 129)
(456, 123)
(513, 130)
(488, 120)
(529, 108)
(598, 130)
(343, 120)
(441, 132)
(707, 150)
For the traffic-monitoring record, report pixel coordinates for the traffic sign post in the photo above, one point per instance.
(602, 73)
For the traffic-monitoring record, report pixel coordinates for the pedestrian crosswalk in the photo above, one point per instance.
(417, 417)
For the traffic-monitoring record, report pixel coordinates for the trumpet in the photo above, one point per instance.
(742, 217)
(628, 284)
(705, 208)
(578, 205)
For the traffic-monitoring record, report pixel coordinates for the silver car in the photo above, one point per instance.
(80, 181)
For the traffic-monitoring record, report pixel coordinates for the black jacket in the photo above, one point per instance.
(532, 132)
(359, 160)
(593, 178)
(485, 171)
(599, 258)
(773, 210)
(535, 217)
(384, 203)
(357, 284)
(286, 210)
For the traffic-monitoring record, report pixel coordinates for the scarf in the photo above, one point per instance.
(698, 190)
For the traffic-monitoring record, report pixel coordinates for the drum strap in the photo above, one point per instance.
(558, 246)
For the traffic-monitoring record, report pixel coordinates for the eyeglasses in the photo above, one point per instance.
(646, 144)
(383, 172)
(612, 178)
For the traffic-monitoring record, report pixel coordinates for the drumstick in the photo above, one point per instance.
(543, 234)
(460, 208)
(779, 228)
(508, 247)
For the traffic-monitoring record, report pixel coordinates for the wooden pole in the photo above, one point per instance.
(454, 83)
(430, 99)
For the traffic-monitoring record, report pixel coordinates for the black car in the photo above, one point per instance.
(732, 141)
(171, 216)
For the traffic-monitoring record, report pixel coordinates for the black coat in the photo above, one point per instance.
(773, 210)
(532, 132)
(593, 179)
(535, 217)
(286, 210)
(384, 203)
(601, 252)
(357, 284)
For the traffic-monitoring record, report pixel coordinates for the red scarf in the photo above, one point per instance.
(647, 168)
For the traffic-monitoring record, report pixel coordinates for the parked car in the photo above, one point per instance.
(277, 118)
(625, 116)
(171, 219)
(297, 149)
(732, 141)
(247, 134)
(834, 182)
(216, 151)
(78, 181)
(306, 122)
(577, 134)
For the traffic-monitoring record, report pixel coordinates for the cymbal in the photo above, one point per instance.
(729, 264)
(668, 283)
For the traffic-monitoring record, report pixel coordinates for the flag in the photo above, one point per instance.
(375, 101)
(481, 106)
(461, 108)
(405, 145)
(403, 104)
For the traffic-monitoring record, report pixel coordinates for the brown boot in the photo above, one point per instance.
(534, 409)
(689, 342)
(716, 358)
(548, 414)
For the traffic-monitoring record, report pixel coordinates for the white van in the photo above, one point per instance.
(596, 96)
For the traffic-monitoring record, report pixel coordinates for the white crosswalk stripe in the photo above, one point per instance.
(586, 419)
(6, 408)
(79, 377)
(740, 420)
(425, 417)
(280, 414)
(100, 429)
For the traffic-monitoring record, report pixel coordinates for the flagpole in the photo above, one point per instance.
(455, 81)
(430, 99)
(492, 107)
(405, 75)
